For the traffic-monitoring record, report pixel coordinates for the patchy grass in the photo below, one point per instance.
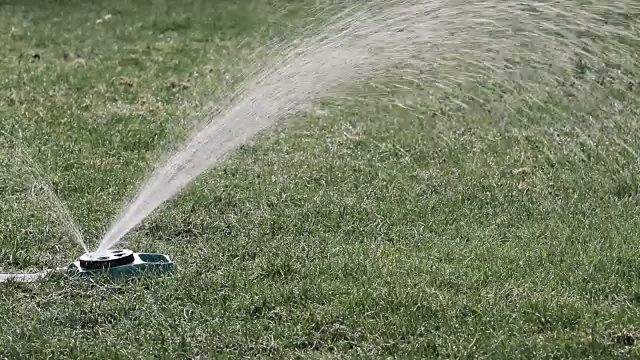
(364, 229)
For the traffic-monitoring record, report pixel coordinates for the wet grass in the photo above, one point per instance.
(397, 224)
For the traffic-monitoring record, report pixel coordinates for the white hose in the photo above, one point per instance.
(27, 277)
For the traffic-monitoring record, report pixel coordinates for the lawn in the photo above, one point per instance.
(394, 224)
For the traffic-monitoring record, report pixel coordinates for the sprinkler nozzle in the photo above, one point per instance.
(106, 259)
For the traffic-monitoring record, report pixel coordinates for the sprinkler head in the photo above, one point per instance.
(106, 259)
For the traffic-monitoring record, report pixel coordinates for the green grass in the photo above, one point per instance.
(367, 230)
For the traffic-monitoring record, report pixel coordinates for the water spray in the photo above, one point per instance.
(117, 263)
(503, 41)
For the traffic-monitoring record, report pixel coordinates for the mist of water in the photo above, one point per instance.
(465, 38)
(55, 203)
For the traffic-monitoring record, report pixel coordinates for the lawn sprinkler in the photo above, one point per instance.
(118, 263)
